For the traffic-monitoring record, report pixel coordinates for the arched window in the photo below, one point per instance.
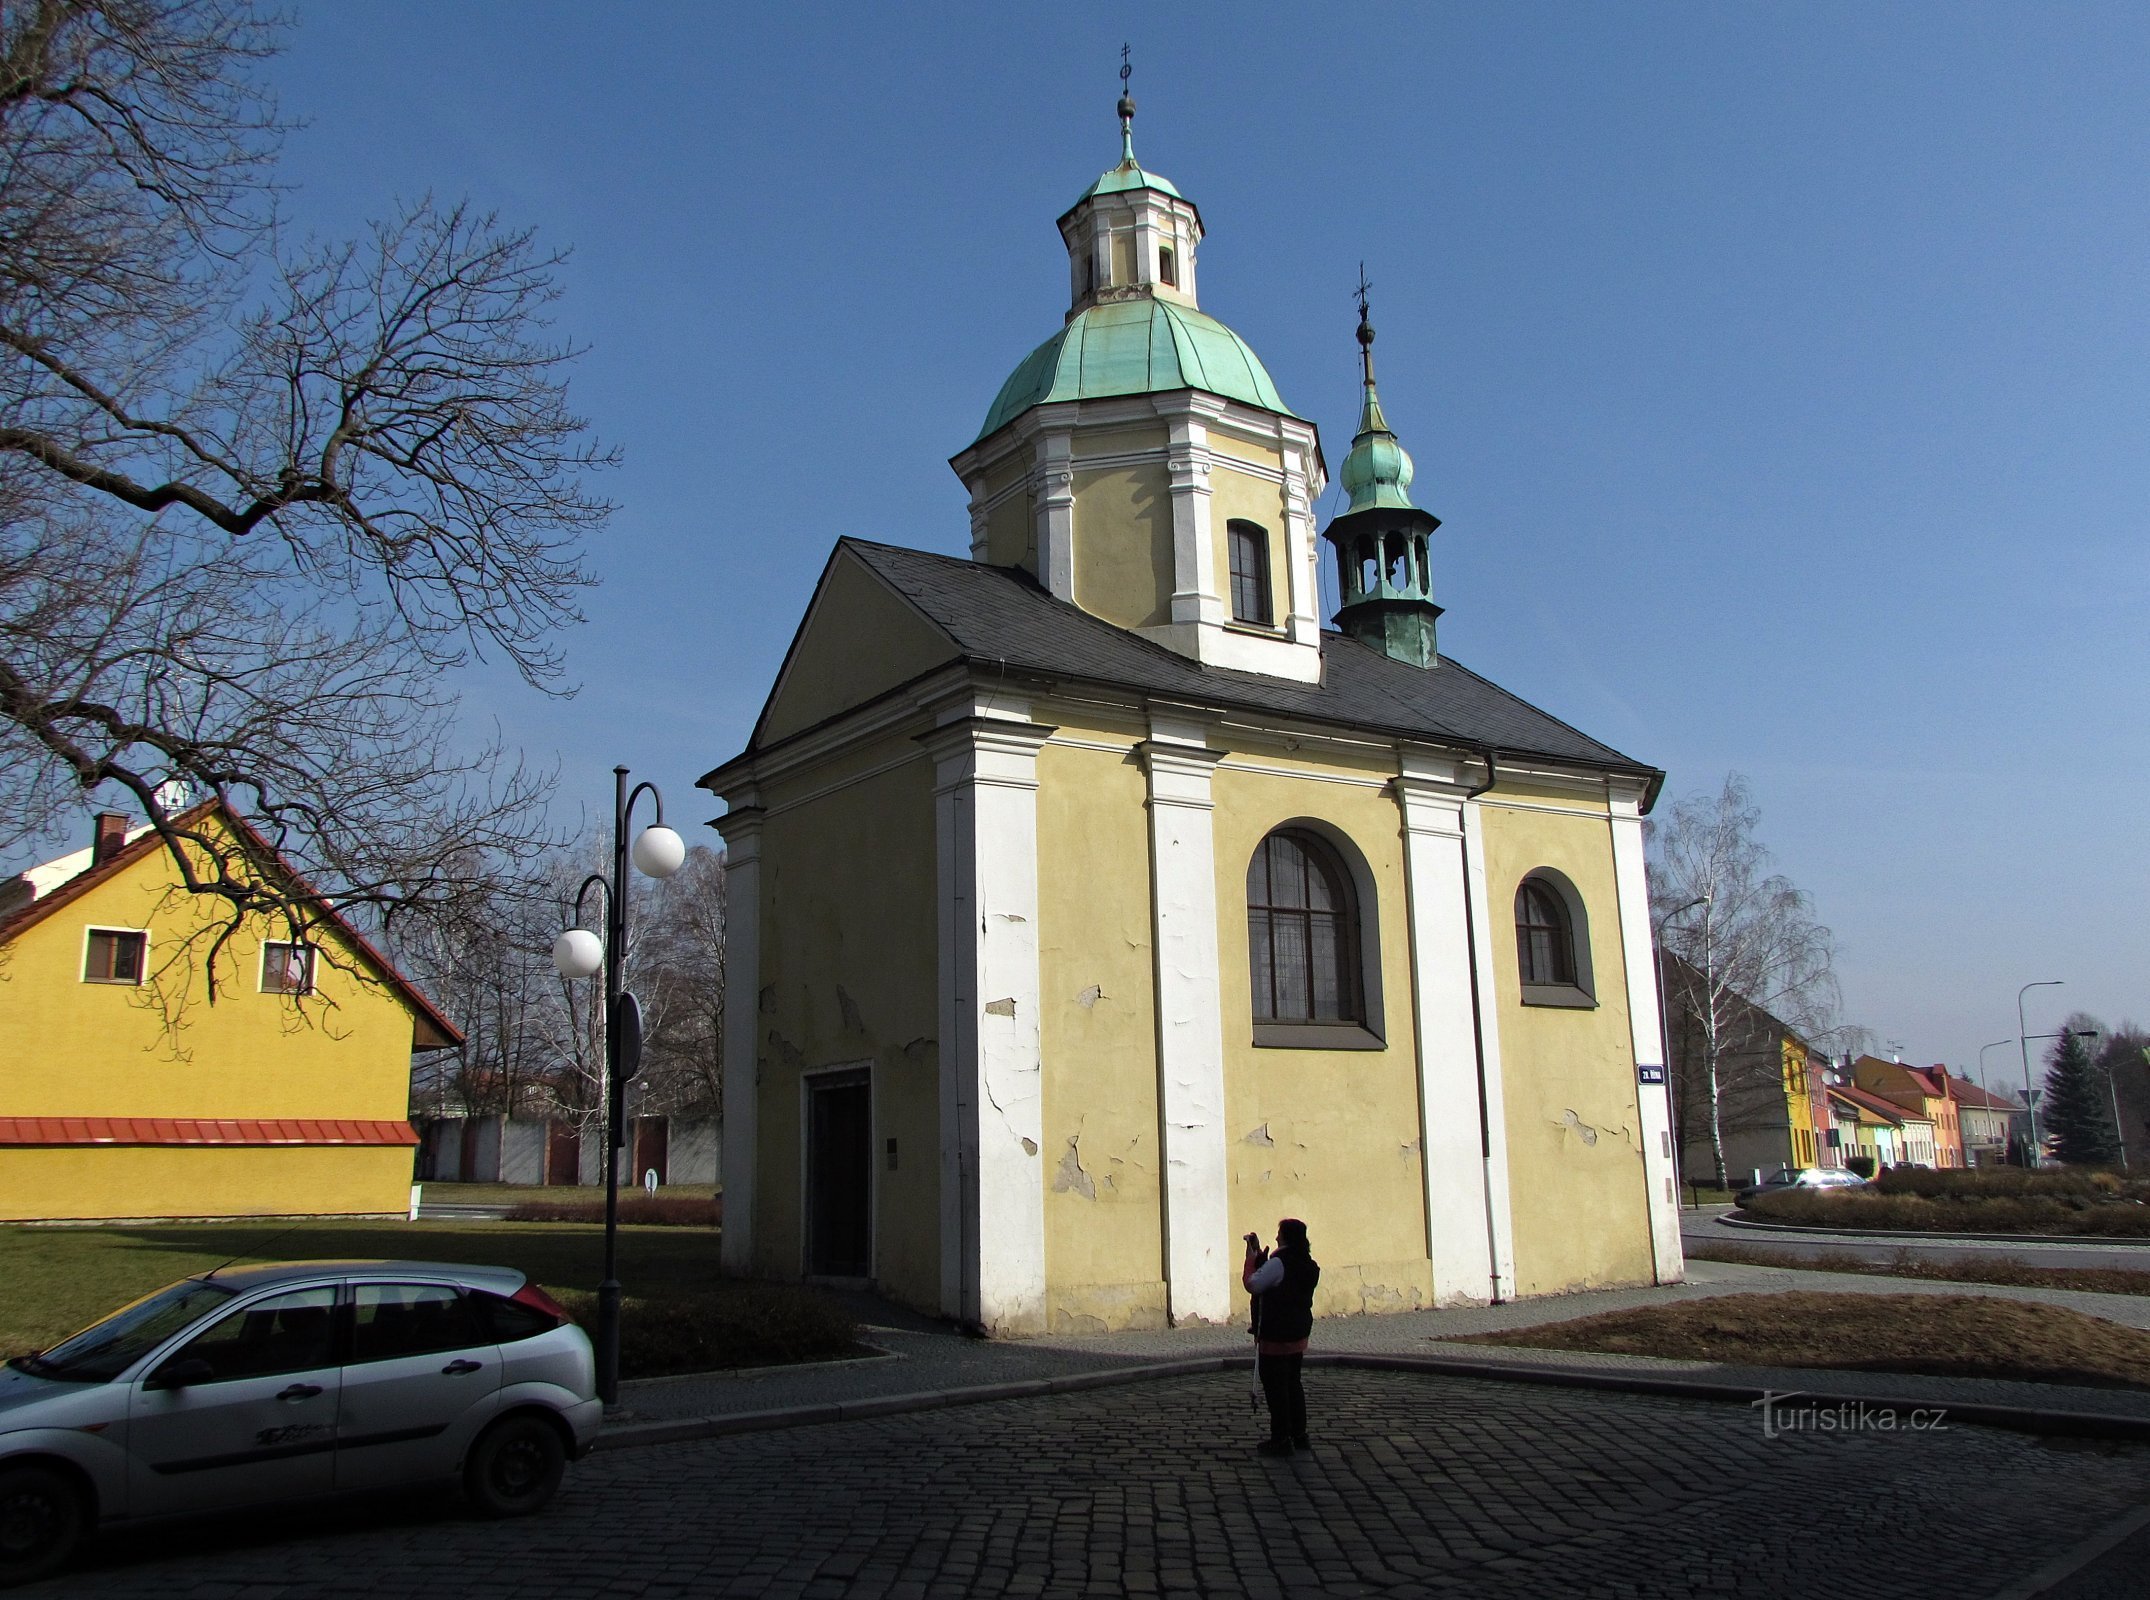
(1552, 941)
(1250, 573)
(1302, 933)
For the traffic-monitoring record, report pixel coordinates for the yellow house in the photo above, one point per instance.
(1093, 905)
(127, 1092)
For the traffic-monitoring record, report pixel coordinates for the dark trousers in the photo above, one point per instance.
(1286, 1396)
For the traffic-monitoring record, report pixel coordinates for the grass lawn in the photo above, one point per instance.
(680, 1316)
(2091, 1280)
(1954, 1336)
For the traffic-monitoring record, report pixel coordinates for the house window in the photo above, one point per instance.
(287, 968)
(1250, 573)
(115, 955)
(1552, 942)
(1302, 933)
(1167, 268)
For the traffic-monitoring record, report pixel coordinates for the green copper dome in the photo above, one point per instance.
(1138, 346)
(1127, 175)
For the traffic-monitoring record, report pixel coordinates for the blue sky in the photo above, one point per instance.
(1779, 373)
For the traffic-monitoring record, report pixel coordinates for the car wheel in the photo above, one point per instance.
(515, 1467)
(41, 1520)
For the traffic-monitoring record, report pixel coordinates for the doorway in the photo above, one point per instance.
(839, 1174)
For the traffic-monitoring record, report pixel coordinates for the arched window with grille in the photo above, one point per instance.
(1552, 941)
(1309, 945)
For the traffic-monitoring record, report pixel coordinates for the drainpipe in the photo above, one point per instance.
(1488, 755)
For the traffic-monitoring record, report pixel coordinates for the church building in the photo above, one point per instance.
(1092, 905)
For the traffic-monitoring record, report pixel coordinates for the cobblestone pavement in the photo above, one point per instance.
(1416, 1486)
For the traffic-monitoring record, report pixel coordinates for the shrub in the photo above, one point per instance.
(637, 1210)
(2028, 1212)
(737, 1325)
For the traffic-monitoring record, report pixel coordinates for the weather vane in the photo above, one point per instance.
(1366, 328)
(1127, 110)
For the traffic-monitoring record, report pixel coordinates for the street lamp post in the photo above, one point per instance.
(578, 953)
(1983, 1080)
(2030, 1104)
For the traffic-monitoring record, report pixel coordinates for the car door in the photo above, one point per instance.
(422, 1373)
(244, 1412)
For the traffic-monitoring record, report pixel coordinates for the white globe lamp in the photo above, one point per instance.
(578, 953)
(659, 851)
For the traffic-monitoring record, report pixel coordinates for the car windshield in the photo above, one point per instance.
(103, 1350)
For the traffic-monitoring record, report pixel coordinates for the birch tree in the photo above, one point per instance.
(1747, 942)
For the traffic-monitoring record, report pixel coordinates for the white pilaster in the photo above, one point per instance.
(1195, 596)
(1302, 561)
(1055, 517)
(1631, 885)
(1500, 1223)
(992, 1115)
(1190, 1023)
(1459, 1239)
(741, 1084)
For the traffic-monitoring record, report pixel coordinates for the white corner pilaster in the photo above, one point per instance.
(1195, 595)
(1459, 1239)
(1653, 1098)
(1190, 1023)
(1054, 474)
(1500, 1223)
(741, 1081)
(992, 1113)
(1302, 561)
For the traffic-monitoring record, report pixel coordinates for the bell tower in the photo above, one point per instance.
(1383, 563)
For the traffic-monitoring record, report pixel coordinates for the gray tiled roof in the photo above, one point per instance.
(1000, 614)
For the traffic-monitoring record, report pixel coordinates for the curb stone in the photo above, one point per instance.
(2016, 1419)
(1934, 1236)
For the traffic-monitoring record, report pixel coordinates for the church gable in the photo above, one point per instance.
(860, 639)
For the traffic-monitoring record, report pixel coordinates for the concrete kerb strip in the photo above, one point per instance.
(2016, 1419)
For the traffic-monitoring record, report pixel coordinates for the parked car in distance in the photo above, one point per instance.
(304, 1378)
(1801, 1178)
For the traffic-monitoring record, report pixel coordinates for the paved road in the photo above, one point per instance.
(1699, 1225)
(1416, 1487)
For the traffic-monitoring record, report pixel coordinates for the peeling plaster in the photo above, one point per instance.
(1408, 1149)
(848, 1007)
(768, 1000)
(1570, 1123)
(1030, 1147)
(1071, 1179)
(915, 1053)
(1002, 1008)
(1090, 996)
(1259, 1136)
(788, 1055)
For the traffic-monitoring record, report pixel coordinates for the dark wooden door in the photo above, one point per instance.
(839, 1176)
(563, 1154)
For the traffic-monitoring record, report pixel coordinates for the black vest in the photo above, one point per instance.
(1286, 1312)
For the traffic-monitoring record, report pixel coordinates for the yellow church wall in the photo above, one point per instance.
(1091, 443)
(1098, 1034)
(1123, 544)
(162, 1049)
(1239, 496)
(870, 641)
(848, 954)
(1330, 1136)
(1010, 534)
(1568, 1074)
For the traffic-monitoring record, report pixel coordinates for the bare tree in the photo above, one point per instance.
(256, 497)
(676, 967)
(1750, 954)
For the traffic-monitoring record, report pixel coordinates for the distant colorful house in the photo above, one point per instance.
(1885, 1133)
(1989, 1122)
(125, 1092)
(1768, 1082)
(1922, 1090)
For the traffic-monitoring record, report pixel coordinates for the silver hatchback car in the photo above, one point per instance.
(279, 1382)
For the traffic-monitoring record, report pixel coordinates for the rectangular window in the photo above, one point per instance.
(1250, 574)
(287, 968)
(115, 956)
(1167, 268)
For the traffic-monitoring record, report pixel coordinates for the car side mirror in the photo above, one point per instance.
(179, 1374)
